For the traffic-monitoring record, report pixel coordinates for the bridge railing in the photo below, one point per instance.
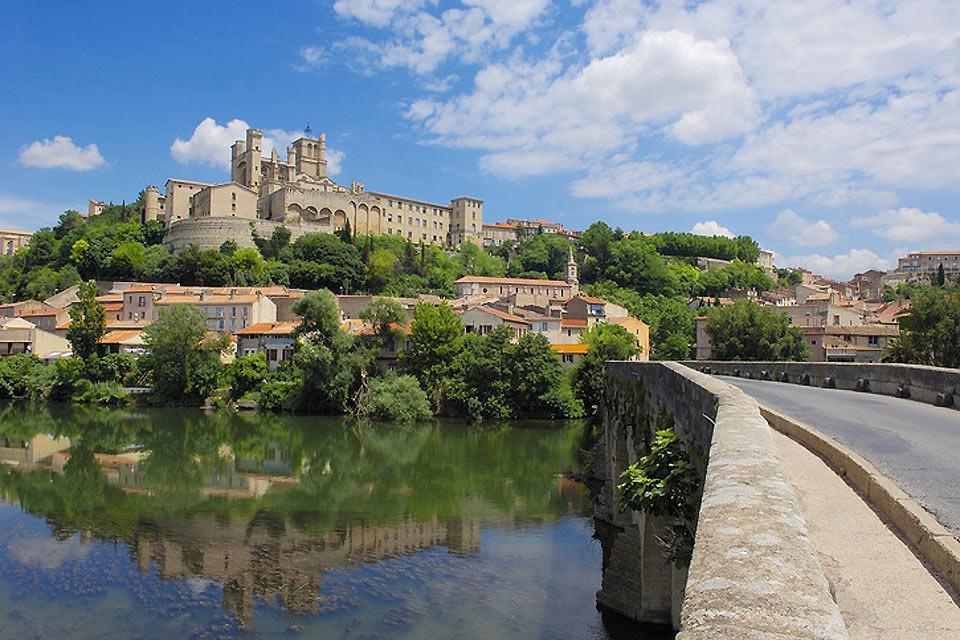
(754, 572)
(933, 385)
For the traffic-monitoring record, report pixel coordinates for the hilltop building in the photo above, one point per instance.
(297, 193)
(10, 240)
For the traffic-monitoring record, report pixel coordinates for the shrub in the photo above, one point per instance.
(100, 393)
(664, 483)
(276, 394)
(15, 374)
(246, 373)
(397, 398)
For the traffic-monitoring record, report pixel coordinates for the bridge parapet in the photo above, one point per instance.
(933, 385)
(754, 572)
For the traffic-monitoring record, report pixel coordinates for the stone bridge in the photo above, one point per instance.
(754, 572)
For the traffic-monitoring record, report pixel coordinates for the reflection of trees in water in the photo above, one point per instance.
(355, 493)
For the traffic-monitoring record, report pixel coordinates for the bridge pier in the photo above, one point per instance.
(753, 572)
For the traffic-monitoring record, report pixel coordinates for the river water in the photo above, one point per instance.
(180, 524)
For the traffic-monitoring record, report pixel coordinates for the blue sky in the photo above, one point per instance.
(828, 129)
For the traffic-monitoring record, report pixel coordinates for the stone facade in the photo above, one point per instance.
(298, 194)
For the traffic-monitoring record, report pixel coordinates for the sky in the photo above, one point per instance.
(829, 130)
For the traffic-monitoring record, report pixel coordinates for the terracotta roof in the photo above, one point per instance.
(268, 329)
(122, 336)
(36, 313)
(573, 322)
(591, 300)
(578, 347)
(503, 315)
(207, 300)
(521, 281)
(367, 329)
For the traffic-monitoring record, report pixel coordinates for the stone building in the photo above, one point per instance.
(10, 241)
(296, 192)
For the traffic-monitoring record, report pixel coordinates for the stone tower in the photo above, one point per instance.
(151, 204)
(573, 273)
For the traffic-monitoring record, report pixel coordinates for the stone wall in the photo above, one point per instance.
(211, 232)
(933, 385)
(754, 572)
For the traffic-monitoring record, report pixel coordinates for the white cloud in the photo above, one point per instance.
(25, 214)
(789, 48)
(334, 161)
(711, 228)
(374, 12)
(422, 36)
(799, 231)
(542, 117)
(210, 142)
(842, 266)
(908, 224)
(60, 152)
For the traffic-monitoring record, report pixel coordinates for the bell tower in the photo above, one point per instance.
(573, 273)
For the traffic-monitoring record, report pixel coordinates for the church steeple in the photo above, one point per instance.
(573, 273)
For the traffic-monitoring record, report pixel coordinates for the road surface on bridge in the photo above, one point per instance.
(914, 444)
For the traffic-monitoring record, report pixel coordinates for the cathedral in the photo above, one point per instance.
(267, 192)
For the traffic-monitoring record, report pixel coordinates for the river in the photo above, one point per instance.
(181, 524)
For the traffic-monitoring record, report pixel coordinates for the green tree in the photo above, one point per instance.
(434, 342)
(184, 364)
(87, 321)
(930, 331)
(747, 331)
(318, 312)
(386, 316)
(246, 373)
(398, 398)
(605, 342)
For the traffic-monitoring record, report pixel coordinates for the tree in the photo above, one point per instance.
(246, 373)
(87, 321)
(435, 340)
(747, 331)
(330, 370)
(397, 398)
(930, 332)
(318, 313)
(185, 366)
(346, 236)
(604, 342)
(386, 316)
(941, 276)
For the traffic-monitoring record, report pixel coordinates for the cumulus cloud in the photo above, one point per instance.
(60, 152)
(841, 266)
(908, 224)
(799, 231)
(210, 144)
(711, 228)
(421, 36)
(543, 117)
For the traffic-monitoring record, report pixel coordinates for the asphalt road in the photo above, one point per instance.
(914, 444)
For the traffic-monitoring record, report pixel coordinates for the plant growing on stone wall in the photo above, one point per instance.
(665, 483)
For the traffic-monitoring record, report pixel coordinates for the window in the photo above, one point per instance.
(873, 341)
(233, 312)
(219, 312)
(141, 301)
(244, 312)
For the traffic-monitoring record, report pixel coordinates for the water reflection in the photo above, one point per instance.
(295, 523)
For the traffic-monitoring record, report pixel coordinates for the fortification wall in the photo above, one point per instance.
(933, 385)
(211, 232)
(754, 572)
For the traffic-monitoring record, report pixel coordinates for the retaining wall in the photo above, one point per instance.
(933, 385)
(754, 572)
